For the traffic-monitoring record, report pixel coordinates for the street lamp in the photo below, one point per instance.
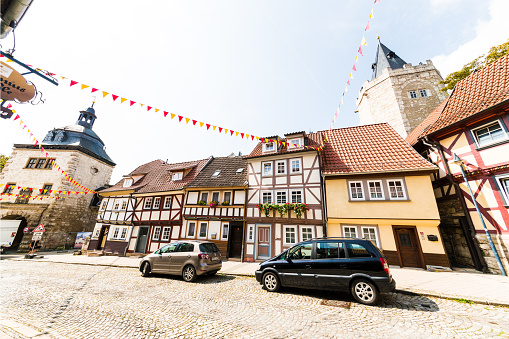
(460, 163)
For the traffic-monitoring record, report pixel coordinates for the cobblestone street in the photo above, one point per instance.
(78, 301)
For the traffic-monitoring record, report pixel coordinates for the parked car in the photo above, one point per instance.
(338, 264)
(187, 258)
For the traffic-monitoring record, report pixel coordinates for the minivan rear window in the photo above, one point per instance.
(209, 247)
(357, 251)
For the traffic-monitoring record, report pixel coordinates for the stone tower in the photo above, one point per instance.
(398, 93)
(79, 151)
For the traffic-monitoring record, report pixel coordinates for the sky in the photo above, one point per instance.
(261, 67)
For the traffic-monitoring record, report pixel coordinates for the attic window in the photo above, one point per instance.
(390, 55)
(176, 176)
(216, 174)
(128, 182)
(240, 170)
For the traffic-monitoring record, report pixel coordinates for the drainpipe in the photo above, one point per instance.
(468, 229)
(324, 201)
(244, 228)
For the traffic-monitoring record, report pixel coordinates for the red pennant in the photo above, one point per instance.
(376, 1)
(115, 97)
(242, 135)
(252, 137)
(231, 132)
(208, 126)
(94, 90)
(59, 192)
(40, 190)
(180, 118)
(271, 140)
(165, 114)
(16, 117)
(149, 108)
(348, 82)
(360, 51)
(9, 106)
(132, 102)
(68, 192)
(355, 69)
(220, 129)
(262, 139)
(73, 82)
(194, 122)
(367, 26)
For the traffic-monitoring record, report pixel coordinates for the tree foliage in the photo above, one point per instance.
(3, 160)
(478, 63)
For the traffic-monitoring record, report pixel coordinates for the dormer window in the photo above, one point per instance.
(176, 176)
(269, 147)
(240, 170)
(216, 174)
(128, 182)
(295, 142)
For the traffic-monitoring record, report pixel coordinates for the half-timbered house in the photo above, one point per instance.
(215, 204)
(284, 202)
(157, 218)
(473, 124)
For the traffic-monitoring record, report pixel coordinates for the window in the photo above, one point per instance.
(116, 205)
(349, 232)
(306, 233)
(215, 196)
(281, 167)
(115, 233)
(290, 235)
(24, 196)
(8, 188)
(295, 163)
(423, 93)
(281, 197)
(296, 196)
(357, 251)
(301, 252)
(224, 235)
(168, 248)
(356, 190)
(46, 189)
(269, 147)
(167, 203)
(148, 203)
(203, 230)
(176, 176)
(124, 205)
(266, 197)
(240, 170)
(369, 233)
(191, 227)
(503, 184)
(40, 163)
(413, 94)
(375, 190)
(124, 233)
(185, 247)
(489, 134)
(294, 142)
(396, 190)
(227, 197)
(97, 231)
(330, 250)
(216, 174)
(50, 163)
(31, 163)
(166, 234)
(103, 205)
(128, 182)
(250, 233)
(205, 196)
(157, 203)
(267, 169)
(157, 233)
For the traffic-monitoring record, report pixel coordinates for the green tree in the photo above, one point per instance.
(3, 160)
(478, 63)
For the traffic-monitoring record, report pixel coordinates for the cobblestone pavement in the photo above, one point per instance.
(76, 301)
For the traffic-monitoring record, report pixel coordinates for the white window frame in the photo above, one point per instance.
(276, 197)
(218, 196)
(271, 196)
(157, 233)
(291, 166)
(377, 239)
(381, 189)
(123, 234)
(115, 233)
(188, 228)
(147, 204)
(295, 141)
(402, 188)
(124, 205)
(350, 191)
(103, 205)
(269, 173)
(250, 236)
(266, 148)
(223, 237)
(163, 237)
(343, 229)
(157, 203)
(215, 174)
(166, 199)
(176, 176)
(301, 232)
(410, 93)
(295, 232)
(206, 230)
(128, 182)
(116, 205)
(290, 195)
(505, 194)
(476, 138)
(231, 197)
(201, 197)
(278, 162)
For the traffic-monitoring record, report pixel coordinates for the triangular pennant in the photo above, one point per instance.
(94, 90)
(141, 105)
(132, 102)
(214, 127)
(172, 115)
(236, 134)
(231, 132)
(180, 118)
(356, 58)
(367, 27)
(257, 138)
(122, 100)
(351, 75)
(208, 126)
(247, 136)
(115, 97)
(16, 117)
(105, 94)
(73, 83)
(201, 124)
(194, 122)
(156, 109)
(364, 42)
(354, 68)
(348, 82)
(83, 86)
(149, 108)
(371, 14)
(187, 120)
(360, 51)
(165, 114)
(225, 130)
(252, 137)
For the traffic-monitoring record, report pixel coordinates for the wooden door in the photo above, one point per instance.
(142, 240)
(408, 248)
(102, 237)
(263, 242)
(235, 240)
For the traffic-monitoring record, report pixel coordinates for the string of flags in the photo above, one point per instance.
(59, 169)
(40, 190)
(7, 196)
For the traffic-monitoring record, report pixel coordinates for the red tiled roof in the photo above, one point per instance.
(313, 140)
(413, 137)
(477, 92)
(369, 148)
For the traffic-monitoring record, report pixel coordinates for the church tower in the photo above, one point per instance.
(398, 93)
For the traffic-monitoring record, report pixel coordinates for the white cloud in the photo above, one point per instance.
(489, 33)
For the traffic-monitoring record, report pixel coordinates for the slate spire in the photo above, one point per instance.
(385, 58)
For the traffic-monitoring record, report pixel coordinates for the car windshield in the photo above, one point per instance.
(209, 247)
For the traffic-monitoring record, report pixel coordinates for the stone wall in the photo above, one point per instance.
(501, 243)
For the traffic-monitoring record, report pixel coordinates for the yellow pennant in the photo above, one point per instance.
(172, 115)
(247, 136)
(371, 14)
(225, 131)
(257, 138)
(157, 110)
(122, 100)
(214, 128)
(351, 76)
(28, 131)
(141, 105)
(363, 42)
(105, 94)
(346, 89)
(83, 86)
(9, 60)
(357, 58)
(236, 134)
(341, 100)
(187, 120)
(201, 124)
(284, 144)
(63, 78)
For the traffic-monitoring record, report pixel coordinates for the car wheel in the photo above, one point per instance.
(189, 273)
(271, 282)
(145, 270)
(365, 292)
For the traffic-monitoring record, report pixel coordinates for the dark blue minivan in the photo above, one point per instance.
(339, 264)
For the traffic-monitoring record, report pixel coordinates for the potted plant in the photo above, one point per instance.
(265, 208)
(213, 203)
(201, 202)
(225, 203)
(281, 209)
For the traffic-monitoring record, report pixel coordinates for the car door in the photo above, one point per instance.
(161, 261)
(180, 256)
(361, 259)
(330, 265)
(297, 269)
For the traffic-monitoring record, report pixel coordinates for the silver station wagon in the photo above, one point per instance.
(189, 258)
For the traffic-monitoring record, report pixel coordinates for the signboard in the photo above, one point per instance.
(25, 229)
(14, 85)
(36, 236)
(39, 228)
(80, 239)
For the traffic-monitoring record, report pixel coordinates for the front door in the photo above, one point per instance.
(235, 240)
(142, 239)
(103, 235)
(263, 242)
(408, 248)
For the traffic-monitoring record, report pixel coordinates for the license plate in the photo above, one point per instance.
(215, 259)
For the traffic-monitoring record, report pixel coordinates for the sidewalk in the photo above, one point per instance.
(477, 287)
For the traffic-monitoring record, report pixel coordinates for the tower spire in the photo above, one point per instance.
(385, 58)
